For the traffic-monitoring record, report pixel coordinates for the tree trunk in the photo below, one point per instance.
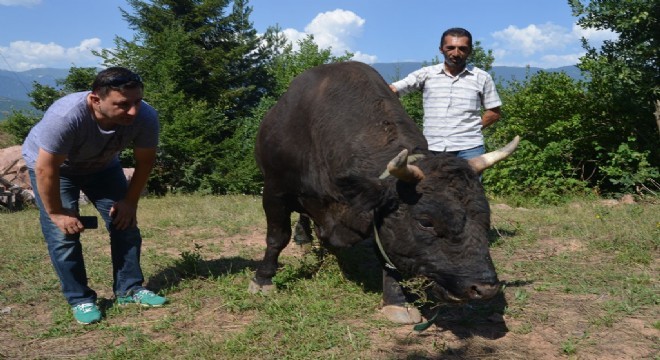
(657, 114)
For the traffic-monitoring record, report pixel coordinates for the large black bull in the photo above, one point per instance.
(323, 149)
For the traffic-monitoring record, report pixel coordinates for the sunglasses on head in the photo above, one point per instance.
(118, 81)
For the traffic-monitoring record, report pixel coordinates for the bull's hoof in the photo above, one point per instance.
(401, 314)
(265, 288)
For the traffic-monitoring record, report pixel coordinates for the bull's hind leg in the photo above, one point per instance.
(302, 233)
(278, 235)
(395, 303)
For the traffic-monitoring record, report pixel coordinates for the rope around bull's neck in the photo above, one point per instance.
(388, 262)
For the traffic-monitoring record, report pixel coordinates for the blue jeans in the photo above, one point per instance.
(103, 189)
(468, 154)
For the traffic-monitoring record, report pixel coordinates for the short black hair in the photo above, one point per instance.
(458, 32)
(116, 78)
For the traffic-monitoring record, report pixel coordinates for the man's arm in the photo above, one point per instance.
(413, 82)
(490, 116)
(47, 171)
(124, 212)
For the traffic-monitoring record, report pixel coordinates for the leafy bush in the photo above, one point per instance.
(551, 161)
(18, 124)
(541, 174)
(190, 147)
(628, 169)
(238, 172)
(569, 144)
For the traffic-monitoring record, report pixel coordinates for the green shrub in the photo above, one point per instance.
(18, 124)
(627, 169)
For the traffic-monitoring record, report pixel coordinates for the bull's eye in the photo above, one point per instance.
(425, 224)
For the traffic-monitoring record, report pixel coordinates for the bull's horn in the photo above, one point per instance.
(399, 168)
(483, 162)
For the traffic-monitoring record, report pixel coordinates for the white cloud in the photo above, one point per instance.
(594, 36)
(26, 55)
(336, 30)
(534, 38)
(365, 58)
(294, 36)
(554, 61)
(26, 3)
(545, 45)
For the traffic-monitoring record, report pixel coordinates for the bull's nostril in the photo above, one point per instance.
(475, 293)
(483, 291)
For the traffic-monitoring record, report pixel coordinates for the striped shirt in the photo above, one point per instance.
(452, 105)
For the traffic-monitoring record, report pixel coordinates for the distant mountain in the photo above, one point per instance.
(9, 105)
(502, 74)
(17, 85)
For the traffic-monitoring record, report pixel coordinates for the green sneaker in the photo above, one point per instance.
(86, 313)
(143, 297)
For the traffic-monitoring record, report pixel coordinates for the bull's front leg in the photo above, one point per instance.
(278, 235)
(396, 306)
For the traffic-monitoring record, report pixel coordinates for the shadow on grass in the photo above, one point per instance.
(496, 235)
(482, 318)
(191, 266)
(188, 267)
(361, 265)
(475, 318)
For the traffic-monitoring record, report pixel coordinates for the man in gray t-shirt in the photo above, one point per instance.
(75, 147)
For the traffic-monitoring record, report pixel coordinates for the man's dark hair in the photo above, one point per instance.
(458, 32)
(116, 78)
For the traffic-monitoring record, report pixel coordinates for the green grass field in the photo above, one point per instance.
(581, 283)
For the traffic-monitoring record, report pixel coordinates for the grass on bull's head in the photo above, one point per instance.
(583, 270)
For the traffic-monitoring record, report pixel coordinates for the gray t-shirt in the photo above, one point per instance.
(69, 128)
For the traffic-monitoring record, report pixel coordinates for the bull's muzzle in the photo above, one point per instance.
(483, 291)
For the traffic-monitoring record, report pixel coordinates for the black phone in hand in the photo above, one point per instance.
(89, 222)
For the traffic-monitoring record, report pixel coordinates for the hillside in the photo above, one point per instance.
(17, 85)
(503, 74)
(9, 105)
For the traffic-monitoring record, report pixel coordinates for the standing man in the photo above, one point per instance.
(75, 147)
(454, 96)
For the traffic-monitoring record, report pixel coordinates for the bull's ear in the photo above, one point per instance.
(367, 194)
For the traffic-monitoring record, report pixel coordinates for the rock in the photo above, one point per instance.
(609, 202)
(627, 199)
(13, 168)
(502, 207)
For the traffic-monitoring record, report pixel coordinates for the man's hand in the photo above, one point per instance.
(490, 117)
(67, 221)
(123, 214)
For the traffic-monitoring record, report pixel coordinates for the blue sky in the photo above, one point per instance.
(539, 33)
